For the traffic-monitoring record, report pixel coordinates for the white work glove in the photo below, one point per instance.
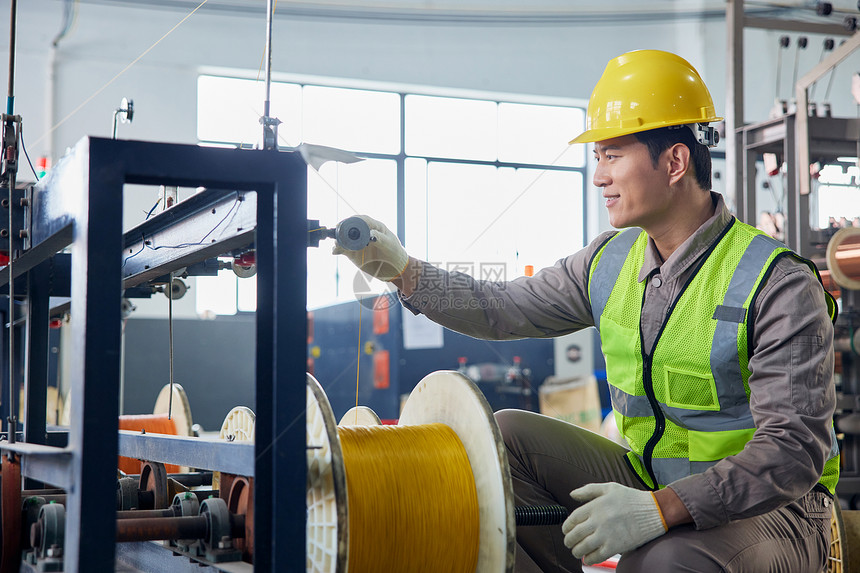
(383, 258)
(614, 519)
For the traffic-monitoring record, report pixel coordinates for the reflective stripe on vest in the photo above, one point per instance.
(727, 373)
(603, 279)
(736, 417)
(668, 470)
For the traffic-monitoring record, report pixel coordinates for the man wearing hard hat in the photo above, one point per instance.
(718, 346)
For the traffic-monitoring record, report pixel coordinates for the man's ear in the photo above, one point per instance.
(678, 157)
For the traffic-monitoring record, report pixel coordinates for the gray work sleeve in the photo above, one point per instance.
(792, 398)
(551, 303)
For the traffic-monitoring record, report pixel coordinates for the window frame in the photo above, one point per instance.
(404, 90)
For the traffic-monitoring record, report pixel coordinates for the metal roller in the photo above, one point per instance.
(352, 234)
(843, 258)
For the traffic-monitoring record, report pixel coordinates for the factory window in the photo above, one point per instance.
(229, 110)
(539, 134)
(501, 220)
(357, 120)
(488, 186)
(451, 127)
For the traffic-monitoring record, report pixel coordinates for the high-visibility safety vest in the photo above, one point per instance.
(685, 406)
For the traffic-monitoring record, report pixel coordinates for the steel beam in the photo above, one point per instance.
(796, 26)
(151, 556)
(36, 373)
(735, 104)
(94, 366)
(213, 223)
(281, 365)
(187, 451)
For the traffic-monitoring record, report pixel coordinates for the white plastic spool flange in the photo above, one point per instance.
(450, 398)
(327, 533)
(359, 416)
(238, 426)
(181, 408)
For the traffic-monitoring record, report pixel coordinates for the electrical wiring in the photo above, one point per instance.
(143, 246)
(151, 211)
(27, 155)
(147, 243)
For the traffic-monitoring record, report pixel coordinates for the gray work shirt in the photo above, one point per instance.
(792, 396)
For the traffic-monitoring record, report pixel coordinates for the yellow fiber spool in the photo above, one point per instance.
(412, 500)
(431, 494)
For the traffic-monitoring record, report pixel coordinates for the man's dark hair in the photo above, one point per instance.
(659, 140)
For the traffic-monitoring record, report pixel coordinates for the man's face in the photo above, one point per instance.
(637, 194)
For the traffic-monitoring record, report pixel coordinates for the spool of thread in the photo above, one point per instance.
(433, 493)
(150, 424)
(413, 504)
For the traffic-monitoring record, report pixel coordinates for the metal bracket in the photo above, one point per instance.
(18, 234)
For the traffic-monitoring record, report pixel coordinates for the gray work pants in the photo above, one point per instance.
(549, 458)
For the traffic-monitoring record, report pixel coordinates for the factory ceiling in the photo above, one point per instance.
(508, 11)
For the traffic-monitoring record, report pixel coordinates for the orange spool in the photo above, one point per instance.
(149, 424)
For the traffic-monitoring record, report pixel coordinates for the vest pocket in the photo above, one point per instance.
(689, 390)
(620, 348)
(713, 446)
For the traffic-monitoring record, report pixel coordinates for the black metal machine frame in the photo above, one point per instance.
(79, 204)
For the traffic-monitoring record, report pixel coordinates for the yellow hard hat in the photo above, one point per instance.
(648, 89)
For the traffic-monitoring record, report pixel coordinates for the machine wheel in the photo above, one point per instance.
(153, 477)
(241, 501)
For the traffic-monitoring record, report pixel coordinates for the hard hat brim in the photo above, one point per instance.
(593, 135)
